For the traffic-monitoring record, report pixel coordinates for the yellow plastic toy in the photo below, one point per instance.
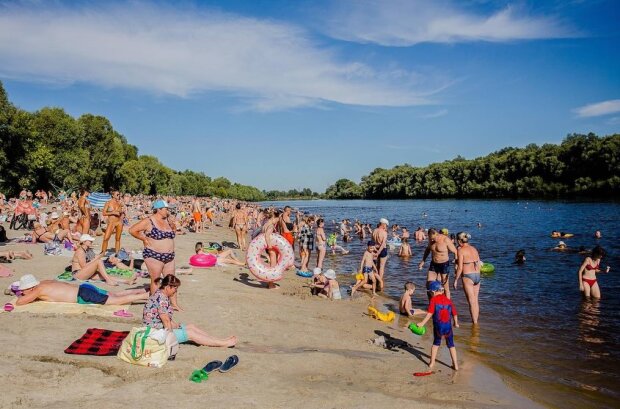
(381, 316)
(359, 276)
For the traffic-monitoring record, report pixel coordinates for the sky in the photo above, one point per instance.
(294, 94)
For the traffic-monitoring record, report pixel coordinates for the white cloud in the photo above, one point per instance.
(270, 65)
(409, 22)
(598, 109)
(436, 114)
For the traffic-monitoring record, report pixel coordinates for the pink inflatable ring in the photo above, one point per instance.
(258, 248)
(202, 260)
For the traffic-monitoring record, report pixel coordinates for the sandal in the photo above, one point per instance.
(230, 363)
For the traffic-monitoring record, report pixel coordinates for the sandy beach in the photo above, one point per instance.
(294, 349)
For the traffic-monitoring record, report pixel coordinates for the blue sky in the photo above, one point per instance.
(281, 94)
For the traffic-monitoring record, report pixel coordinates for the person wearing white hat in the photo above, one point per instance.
(333, 288)
(86, 265)
(380, 237)
(55, 291)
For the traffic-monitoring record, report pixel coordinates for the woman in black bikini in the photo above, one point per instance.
(468, 265)
(157, 232)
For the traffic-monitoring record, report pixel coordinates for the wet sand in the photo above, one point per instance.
(294, 349)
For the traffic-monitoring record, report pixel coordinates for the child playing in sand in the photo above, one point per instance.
(405, 305)
(440, 309)
(333, 287)
(368, 269)
(320, 283)
(332, 242)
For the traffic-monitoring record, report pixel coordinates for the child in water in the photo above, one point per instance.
(405, 305)
(368, 270)
(332, 242)
(440, 310)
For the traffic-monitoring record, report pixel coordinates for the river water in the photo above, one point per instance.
(535, 327)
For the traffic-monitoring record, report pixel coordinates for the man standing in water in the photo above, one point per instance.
(84, 206)
(439, 246)
(113, 210)
(380, 237)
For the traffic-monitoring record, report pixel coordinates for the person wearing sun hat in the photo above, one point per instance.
(157, 232)
(333, 289)
(32, 289)
(85, 264)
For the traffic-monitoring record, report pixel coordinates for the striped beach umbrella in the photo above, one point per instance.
(98, 200)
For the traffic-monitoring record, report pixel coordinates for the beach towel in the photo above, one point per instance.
(44, 307)
(116, 272)
(97, 341)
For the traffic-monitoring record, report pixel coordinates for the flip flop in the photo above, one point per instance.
(123, 313)
(230, 363)
(212, 366)
(423, 373)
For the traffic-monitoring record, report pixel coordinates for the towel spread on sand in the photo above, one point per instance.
(116, 272)
(45, 307)
(96, 341)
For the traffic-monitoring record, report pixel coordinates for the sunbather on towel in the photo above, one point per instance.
(54, 291)
(86, 265)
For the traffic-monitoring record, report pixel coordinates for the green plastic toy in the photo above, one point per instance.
(487, 268)
(198, 376)
(417, 330)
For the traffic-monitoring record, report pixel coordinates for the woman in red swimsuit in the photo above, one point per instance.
(587, 273)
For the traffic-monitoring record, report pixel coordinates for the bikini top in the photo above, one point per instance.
(157, 234)
(591, 267)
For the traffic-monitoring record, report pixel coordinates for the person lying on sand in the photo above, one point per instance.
(55, 291)
(12, 255)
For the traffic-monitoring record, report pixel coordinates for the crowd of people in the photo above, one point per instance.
(71, 221)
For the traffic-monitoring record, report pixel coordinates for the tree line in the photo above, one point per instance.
(49, 149)
(582, 165)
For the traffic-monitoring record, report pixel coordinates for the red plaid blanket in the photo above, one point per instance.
(98, 341)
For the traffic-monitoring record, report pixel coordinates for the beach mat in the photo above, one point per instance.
(45, 307)
(116, 272)
(97, 341)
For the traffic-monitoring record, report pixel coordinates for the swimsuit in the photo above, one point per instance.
(383, 253)
(157, 234)
(367, 270)
(89, 294)
(591, 281)
(440, 268)
(442, 309)
(474, 277)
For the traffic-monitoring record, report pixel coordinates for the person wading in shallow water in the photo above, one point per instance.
(439, 245)
(380, 237)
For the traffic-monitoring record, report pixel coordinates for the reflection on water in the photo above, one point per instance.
(534, 325)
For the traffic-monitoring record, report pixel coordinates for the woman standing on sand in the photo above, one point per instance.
(468, 265)
(157, 232)
(587, 273)
(321, 243)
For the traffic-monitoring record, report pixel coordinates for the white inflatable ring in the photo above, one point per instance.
(256, 264)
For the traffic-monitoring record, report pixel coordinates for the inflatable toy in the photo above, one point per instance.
(417, 330)
(202, 260)
(258, 266)
(381, 316)
(487, 268)
(394, 242)
(8, 307)
(306, 274)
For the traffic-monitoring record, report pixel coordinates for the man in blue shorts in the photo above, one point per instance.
(440, 246)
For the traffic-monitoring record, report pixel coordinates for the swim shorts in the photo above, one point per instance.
(289, 237)
(89, 294)
(443, 331)
(383, 253)
(197, 217)
(440, 268)
(367, 270)
(181, 334)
